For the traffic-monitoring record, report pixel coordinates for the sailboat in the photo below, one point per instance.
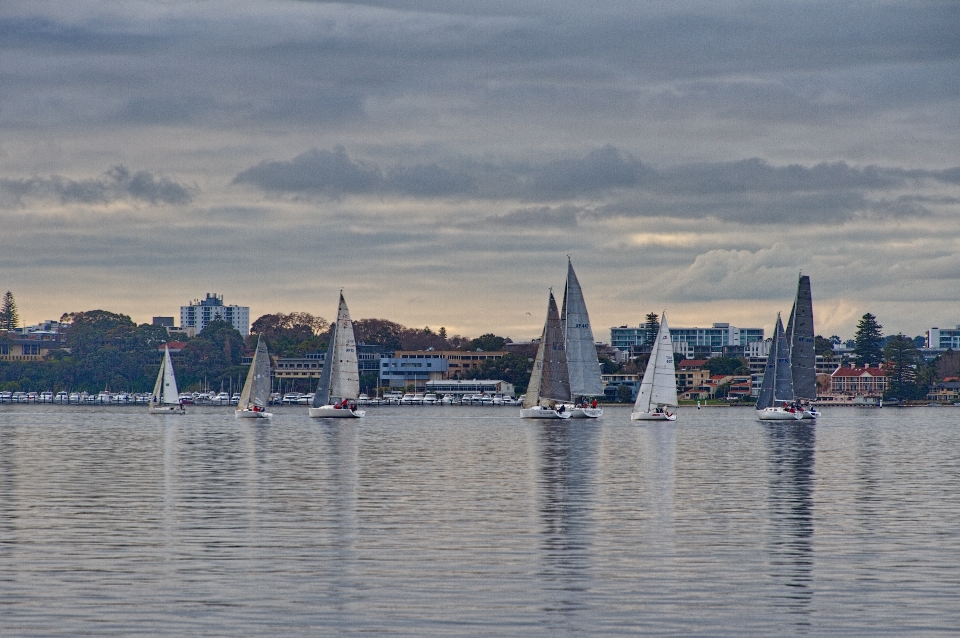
(165, 398)
(583, 367)
(658, 389)
(256, 389)
(777, 384)
(340, 378)
(802, 352)
(550, 382)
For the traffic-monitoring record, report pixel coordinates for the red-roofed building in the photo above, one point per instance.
(175, 346)
(859, 382)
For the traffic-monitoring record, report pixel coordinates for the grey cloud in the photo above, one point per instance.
(618, 184)
(116, 184)
(331, 173)
(542, 217)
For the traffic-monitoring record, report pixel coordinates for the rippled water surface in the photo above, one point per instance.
(470, 521)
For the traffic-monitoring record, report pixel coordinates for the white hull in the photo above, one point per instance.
(652, 416)
(778, 414)
(585, 413)
(810, 414)
(166, 409)
(329, 412)
(542, 413)
(250, 414)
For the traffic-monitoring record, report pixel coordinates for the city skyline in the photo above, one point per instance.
(438, 161)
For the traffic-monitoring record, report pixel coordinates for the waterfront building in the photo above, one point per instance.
(308, 366)
(413, 369)
(869, 381)
(943, 338)
(460, 387)
(34, 346)
(692, 343)
(459, 361)
(612, 382)
(200, 312)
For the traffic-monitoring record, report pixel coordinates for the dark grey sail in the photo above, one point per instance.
(555, 379)
(322, 397)
(803, 356)
(777, 386)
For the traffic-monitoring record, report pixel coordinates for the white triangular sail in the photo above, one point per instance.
(256, 389)
(659, 384)
(581, 350)
(165, 389)
(340, 378)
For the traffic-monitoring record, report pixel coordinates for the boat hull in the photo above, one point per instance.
(810, 414)
(250, 414)
(778, 414)
(329, 412)
(652, 416)
(166, 409)
(542, 413)
(585, 413)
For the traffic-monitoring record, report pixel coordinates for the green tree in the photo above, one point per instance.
(823, 347)
(652, 321)
(726, 365)
(9, 317)
(513, 368)
(488, 343)
(624, 393)
(907, 379)
(379, 332)
(867, 341)
(290, 335)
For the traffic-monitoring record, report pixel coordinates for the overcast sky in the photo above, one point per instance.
(439, 160)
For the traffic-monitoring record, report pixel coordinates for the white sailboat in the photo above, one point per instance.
(340, 378)
(256, 389)
(550, 382)
(777, 386)
(658, 389)
(165, 398)
(583, 367)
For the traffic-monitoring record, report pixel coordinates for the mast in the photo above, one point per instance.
(581, 350)
(532, 396)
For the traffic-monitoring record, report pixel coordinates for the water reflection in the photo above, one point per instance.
(791, 462)
(566, 486)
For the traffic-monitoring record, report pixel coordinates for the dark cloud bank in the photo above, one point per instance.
(742, 190)
(117, 184)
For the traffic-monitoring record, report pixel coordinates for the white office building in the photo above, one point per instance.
(200, 312)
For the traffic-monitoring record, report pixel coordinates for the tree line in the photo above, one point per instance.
(106, 350)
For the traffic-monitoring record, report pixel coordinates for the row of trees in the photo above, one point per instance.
(109, 350)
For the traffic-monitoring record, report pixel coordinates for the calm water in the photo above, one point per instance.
(470, 521)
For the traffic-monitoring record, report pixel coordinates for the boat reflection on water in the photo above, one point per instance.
(565, 492)
(791, 448)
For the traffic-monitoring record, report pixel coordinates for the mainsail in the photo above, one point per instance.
(803, 356)
(550, 379)
(340, 377)
(777, 386)
(165, 389)
(659, 385)
(256, 389)
(581, 351)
